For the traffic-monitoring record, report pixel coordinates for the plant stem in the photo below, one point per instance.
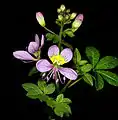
(65, 86)
(67, 44)
(74, 82)
(60, 35)
(49, 31)
(57, 87)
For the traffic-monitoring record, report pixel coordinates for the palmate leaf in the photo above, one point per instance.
(93, 55)
(99, 83)
(107, 62)
(109, 77)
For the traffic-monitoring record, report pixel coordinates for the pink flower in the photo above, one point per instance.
(55, 69)
(33, 49)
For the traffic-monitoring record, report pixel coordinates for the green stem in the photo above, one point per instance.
(74, 82)
(60, 35)
(57, 87)
(49, 31)
(67, 44)
(65, 86)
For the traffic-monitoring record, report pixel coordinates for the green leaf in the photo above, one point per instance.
(55, 39)
(86, 68)
(60, 98)
(32, 95)
(93, 55)
(43, 97)
(88, 79)
(49, 36)
(110, 77)
(77, 57)
(50, 88)
(51, 103)
(107, 62)
(83, 62)
(99, 83)
(62, 109)
(33, 71)
(69, 32)
(42, 85)
(32, 87)
(66, 100)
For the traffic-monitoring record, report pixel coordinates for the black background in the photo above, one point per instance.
(99, 29)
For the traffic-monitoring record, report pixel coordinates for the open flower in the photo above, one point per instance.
(55, 69)
(77, 22)
(40, 19)
(33, 50)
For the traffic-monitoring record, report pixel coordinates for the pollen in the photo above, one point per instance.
(57, 59)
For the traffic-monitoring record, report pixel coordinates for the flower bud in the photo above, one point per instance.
(58, 10)
(62, 7)
(40, 19)
(73, 15)
(78, 21)
(68, 10)
(60, 17)
(66, 17)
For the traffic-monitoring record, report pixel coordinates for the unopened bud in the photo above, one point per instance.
(78, 21)
(66, 17)
(60, 17)
(73, 15)
(58, 10)
(40, 19)
(62, 7)
(68, 10)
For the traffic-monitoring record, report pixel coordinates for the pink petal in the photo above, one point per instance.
(33, 47)
(42, 40)
(37, 39)
(53, 50)
(43, 65)
(80, 17)
(69, 73)
(22, 55)
(67, 54)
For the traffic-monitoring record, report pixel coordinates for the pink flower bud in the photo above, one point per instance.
(40, 19)
(78, 21)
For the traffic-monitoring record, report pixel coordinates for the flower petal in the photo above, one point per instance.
(53, 50)
(33, 47)
(69, 73)
(43, 65)
(42, 40)
(37, 39)
(67, 54)
(22, 55)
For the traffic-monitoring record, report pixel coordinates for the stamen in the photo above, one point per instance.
(57, 81)
(47, 77)
(60, 78)
(43, 75)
